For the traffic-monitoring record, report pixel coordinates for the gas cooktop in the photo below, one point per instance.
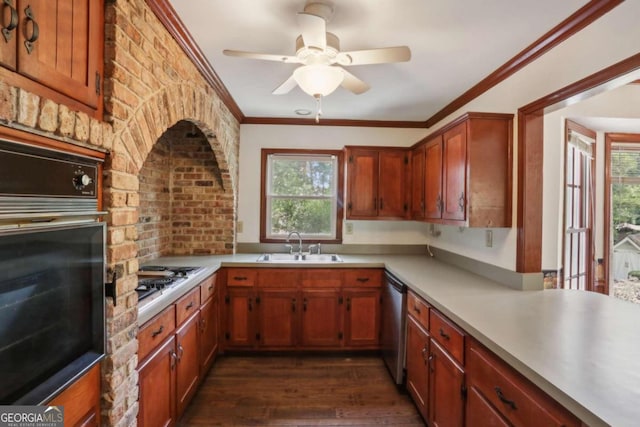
(154, 278)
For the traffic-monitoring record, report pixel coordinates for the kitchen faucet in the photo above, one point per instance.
(299, 240)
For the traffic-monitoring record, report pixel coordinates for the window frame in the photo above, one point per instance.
(339, 214)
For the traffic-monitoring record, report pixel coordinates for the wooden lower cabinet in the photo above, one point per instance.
(81, 400)
(188, 363)
(446, 389)
(480, 413)
(307, 309)
(209, 332)
(157, 383)
(320, 321)
(417, 353)
(362, 317)
(277, 318)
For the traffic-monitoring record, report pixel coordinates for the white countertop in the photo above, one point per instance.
(582, 348)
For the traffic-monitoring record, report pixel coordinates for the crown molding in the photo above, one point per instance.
(331, 122)
(174, 25)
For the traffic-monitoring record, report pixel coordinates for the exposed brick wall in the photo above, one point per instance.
(149, 86)
(184, 206)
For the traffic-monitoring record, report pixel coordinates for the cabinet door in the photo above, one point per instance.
(188, 367)
(446, 378)
(417, 182)
(454, 168)
(417, 348)
(208, 333)
(66, 46)
(81, 400)
(362, 182)
(240, 304)
(277, 320)
(392, 193)
(479, 413)
(362, 318)
(320, 324)
(157, 382)
(9, 36)
(433, 179)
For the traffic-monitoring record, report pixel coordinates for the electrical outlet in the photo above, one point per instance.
(348, 227)
(239, 227)
(488, 238)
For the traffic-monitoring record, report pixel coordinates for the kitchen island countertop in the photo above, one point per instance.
(581, 348)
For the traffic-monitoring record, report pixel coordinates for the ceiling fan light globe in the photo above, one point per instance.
(318, 79)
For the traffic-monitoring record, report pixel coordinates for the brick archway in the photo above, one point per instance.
(133, 140)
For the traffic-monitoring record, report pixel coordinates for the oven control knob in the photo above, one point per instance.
(81, 181)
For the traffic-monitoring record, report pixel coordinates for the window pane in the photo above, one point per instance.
(310, 217)
(302, 176)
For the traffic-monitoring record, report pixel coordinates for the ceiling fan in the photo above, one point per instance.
(322, 61)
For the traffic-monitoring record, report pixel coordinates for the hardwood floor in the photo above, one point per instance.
(300, 391)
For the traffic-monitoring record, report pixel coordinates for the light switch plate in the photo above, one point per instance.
(488, 238)
(348, 227)
(239, 227)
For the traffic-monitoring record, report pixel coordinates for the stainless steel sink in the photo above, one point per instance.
(299, 258)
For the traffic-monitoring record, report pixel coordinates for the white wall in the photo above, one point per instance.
(610, 39)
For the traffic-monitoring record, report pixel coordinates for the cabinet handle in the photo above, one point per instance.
(250, 304)
(239, 278)
(304, 304)
(35, 31)
(362, 279)
(504, 400)
(174, 359)
(431, 362)
(416, 308)
(461, 202)
(189, 306)
(13, 21)
(381, 203)
(157, 332)
(375, 203)
(293, 305)
(180, 352)
(210, 287)
(203, 324)
(439, 203)
(444, 335)
(348, 304)
(424, 354)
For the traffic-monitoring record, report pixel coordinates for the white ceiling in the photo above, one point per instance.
(454, 44)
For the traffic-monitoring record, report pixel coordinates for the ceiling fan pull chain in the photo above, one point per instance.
(319, 104)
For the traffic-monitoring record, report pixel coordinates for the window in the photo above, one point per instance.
(578, 244)
(301, 191)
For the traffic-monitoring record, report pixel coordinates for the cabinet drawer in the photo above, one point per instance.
(207, 288)
(322, 278)
(517, 399)
(155, 331)
(241, 277)
(418, 309)
(366, 277)
(278, 278)
(447, 334)
(187, 305)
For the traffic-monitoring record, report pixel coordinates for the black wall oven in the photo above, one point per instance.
(52, 265)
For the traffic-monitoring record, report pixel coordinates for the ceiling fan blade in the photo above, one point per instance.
(285, 87)
(374, 56)
(353, 83)
(313, 29)
(263, 56)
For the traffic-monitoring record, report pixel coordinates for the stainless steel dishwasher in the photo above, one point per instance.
(394, 310)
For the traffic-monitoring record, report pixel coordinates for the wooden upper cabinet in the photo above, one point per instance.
(417, 182)
(454, 162)
(59, 44)
(376, 182)
(468, 171)
(433, 178)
